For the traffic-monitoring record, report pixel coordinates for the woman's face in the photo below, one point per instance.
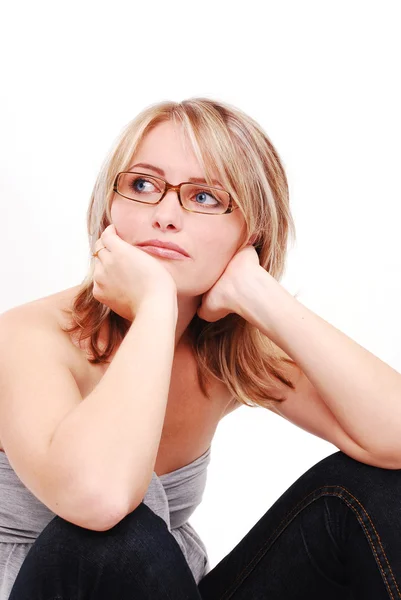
(210, 240)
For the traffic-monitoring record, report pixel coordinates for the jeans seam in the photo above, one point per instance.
(293, 513)
(372, 544)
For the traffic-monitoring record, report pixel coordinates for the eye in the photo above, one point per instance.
(202, 195)
(140, 184)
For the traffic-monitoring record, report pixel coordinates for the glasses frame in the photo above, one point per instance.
(176, 188)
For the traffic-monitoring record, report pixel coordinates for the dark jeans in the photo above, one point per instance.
(334, 534)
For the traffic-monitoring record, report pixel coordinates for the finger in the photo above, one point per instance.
(98, 255)
(105, 237)
(110, 237)
(99, 245)
(110, 229)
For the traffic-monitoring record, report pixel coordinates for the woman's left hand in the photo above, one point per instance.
(222, 298)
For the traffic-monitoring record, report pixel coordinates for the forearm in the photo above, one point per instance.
(363, 392)
(110, 440)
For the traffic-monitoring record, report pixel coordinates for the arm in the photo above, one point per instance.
(109, 442)
(88, 460)
(362, 392)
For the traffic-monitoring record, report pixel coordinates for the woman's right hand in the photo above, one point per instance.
(125, 277)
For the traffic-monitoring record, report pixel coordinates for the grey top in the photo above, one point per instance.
(173, 496)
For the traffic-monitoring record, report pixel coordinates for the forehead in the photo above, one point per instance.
(168, 147)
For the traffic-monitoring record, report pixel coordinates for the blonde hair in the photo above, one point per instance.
(229, 142)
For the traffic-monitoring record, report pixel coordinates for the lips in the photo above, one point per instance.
(163, 252)
(167, 245)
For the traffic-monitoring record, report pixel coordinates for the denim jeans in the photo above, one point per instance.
(334, 534)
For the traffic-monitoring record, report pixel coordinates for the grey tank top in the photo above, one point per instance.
(173, 496)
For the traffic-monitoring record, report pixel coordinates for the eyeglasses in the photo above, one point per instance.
(193, 197)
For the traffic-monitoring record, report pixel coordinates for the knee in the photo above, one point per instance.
(339, 462)
(339, 469)
(133, 555)
(138, 535)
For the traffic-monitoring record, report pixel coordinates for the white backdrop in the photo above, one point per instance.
(323, 80)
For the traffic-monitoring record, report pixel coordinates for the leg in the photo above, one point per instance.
(138, 558)
(334, 534)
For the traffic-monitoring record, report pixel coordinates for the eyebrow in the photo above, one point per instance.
(162, 173)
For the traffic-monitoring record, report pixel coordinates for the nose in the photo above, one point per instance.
(168, 213)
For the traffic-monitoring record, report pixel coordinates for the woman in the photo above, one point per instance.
(181, 320)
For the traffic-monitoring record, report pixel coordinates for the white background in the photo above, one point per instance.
(323, 80)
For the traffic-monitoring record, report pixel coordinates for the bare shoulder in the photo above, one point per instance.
(51, 305)
(35, 354)
(47, 314)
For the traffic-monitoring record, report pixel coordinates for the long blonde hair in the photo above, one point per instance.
(229, 142)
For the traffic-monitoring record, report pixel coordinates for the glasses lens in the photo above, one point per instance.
(142, 188)
(204, 199)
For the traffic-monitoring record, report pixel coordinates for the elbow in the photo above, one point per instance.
(391, 462)
(91, 511)
(102, 513)
(388, 461)
(96, 507)
(388, 457)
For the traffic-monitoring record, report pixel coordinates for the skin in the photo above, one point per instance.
(210, 240)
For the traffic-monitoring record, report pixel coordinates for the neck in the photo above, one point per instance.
(187, 308)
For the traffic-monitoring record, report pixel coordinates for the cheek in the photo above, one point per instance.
(218, 246)
(221, 243)
(116, 211)
(212, 260)
(126, 220)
